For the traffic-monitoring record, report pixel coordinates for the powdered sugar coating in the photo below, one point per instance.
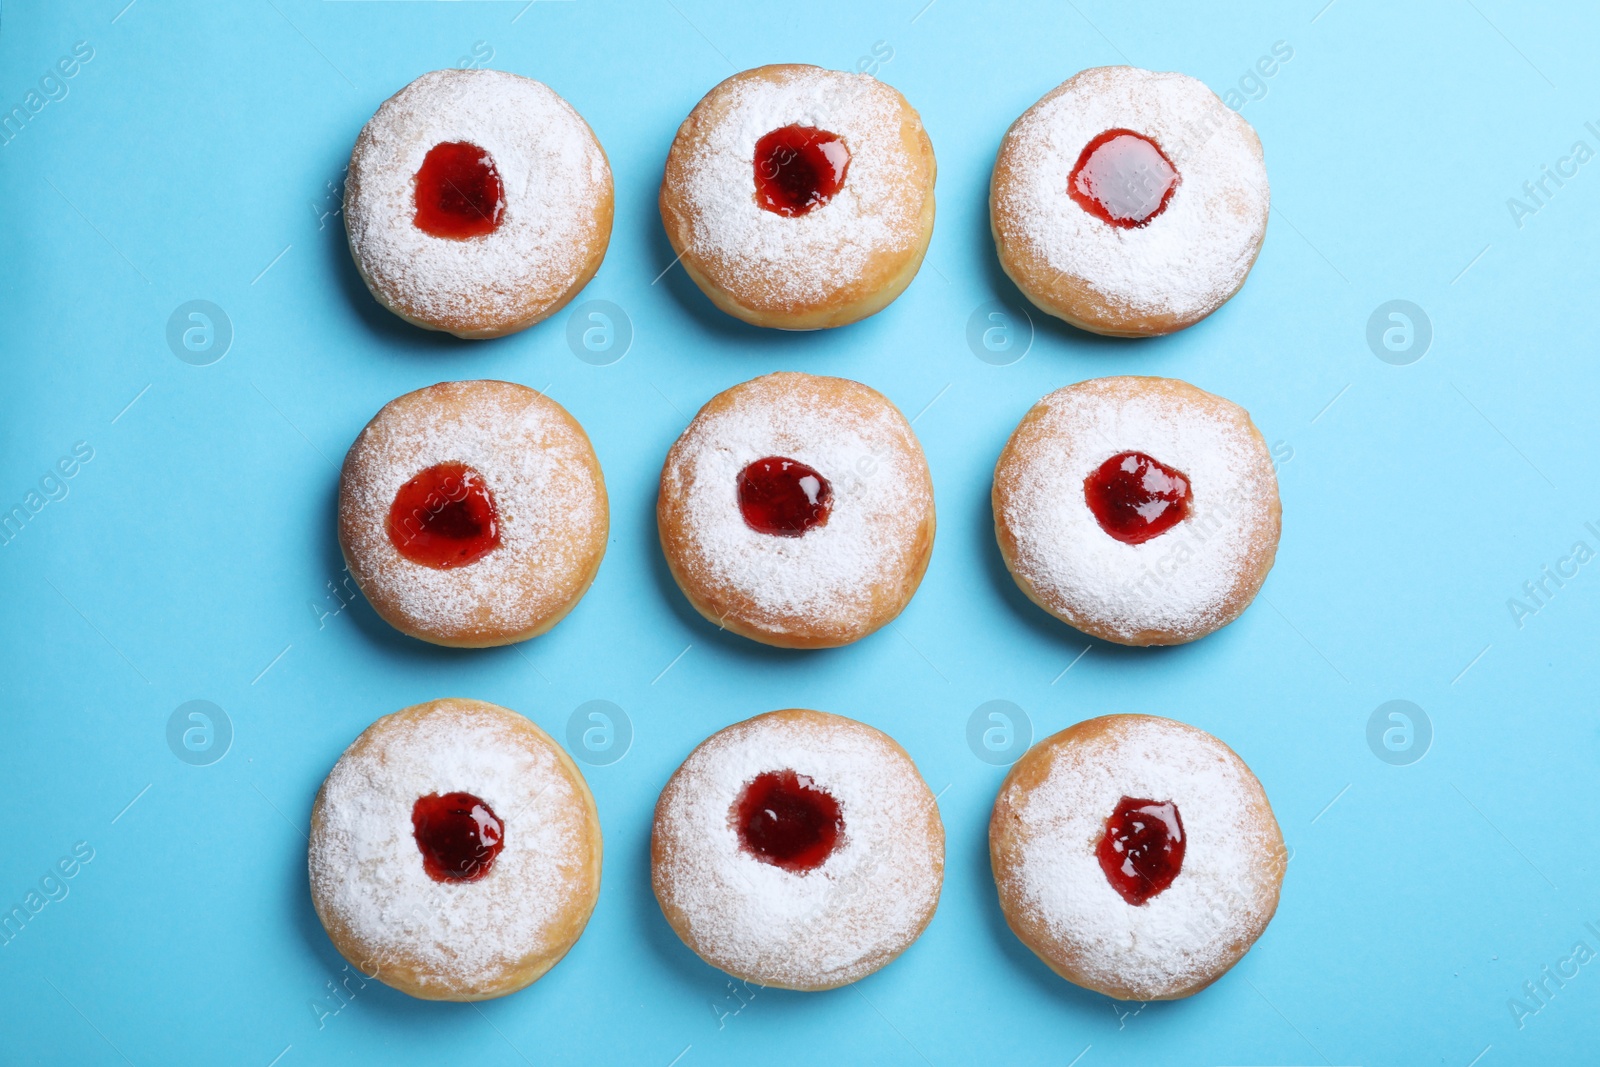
(1187, 261)
(835, 924)
(844, 578)
(1179, 585)
(773, 261)
(1199, 926)
(554, 177)
(367, 876)
(541, 470)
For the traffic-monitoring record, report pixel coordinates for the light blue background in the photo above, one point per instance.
(197, 148)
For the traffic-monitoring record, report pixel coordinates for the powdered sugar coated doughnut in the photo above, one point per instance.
(836, 582)
(1153, 278)
(833, 265)
(1044, 836)
(454, 940)
(1176, 587)
(545, 481)
(865, 904)
(557, 204)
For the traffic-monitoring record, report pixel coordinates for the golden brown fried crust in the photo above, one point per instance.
(1008, 835)
(1267, 523)
(1070, 298)
(403, 971)
(662, 845)
(728, 608)
(490, 318)
(886, 276)
(586, 541)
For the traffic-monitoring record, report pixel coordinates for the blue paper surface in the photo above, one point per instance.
(1434, 496)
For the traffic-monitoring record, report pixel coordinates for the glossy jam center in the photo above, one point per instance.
(459, 194)
(783, 497)
(799, 168)
(1142, 850)
(458, 835)
(1136, 497)
(785, 820)
(1123, 178)
(444, 517)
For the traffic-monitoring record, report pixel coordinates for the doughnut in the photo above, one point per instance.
(455, 851)
(797, 849)
(477, 202)
(472, 513)
(1136, 856)
(1142, 511)
(798, 197)
(797, 511)
(1129, 203)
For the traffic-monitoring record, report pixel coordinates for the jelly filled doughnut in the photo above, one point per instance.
(472, 513)
(797, 511)
(797, 849)
(477, 202)
(1136, 856)
(1140, 510)
(799, 197)
(1129, 203)
(455, 851)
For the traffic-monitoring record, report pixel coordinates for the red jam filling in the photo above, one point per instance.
(1136, 497)
(783, 497)
(1142, 850)
(444, 517)
(799, 168)
(458, 835)
(459, 193)
(785, 820)
(1123, 178)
